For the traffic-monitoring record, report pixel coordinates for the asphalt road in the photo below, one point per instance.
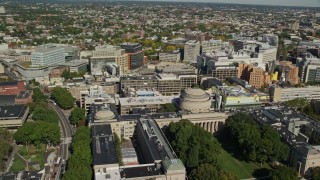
(66, 139)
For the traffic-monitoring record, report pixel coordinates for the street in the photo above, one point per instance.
(66, 139)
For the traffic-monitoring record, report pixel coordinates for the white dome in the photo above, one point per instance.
(195, 100)
(104, 115)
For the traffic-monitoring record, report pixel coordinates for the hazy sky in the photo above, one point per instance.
(310, 3)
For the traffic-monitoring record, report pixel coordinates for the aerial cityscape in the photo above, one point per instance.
(159, 90)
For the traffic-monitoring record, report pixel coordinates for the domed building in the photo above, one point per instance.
(195, 100)
(104, 115)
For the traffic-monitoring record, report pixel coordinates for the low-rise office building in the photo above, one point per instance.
(170, 57)
(278, 94)
(11, 87)
(13, 116)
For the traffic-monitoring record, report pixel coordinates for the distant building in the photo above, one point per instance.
(135, 54)
(289, 72)
(48, 55)
(278, 94)
(11, 88)
(152, 103)
(32, 72)
(170, 57)
(191, 51)
(78, 66)
(13, 116)
(104, 55)
(257, 77)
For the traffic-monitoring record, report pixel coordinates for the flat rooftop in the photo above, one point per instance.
(103, 147)
(146, 100)
(138, 78)
(6, 100)
(12, 112)
(141, 171)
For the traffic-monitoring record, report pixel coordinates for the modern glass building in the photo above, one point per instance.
(48, 55)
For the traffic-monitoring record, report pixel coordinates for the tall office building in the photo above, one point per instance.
(135, 54)
(191, 51)
(48, 55)
(104, 55)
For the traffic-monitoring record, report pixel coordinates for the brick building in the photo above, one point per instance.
(256, 76)
(11, 88)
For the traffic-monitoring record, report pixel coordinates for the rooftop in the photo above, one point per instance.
(146, 100)
(12, 112)
(140, 171)
(103, 147)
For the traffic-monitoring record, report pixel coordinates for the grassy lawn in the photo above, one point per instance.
(32, 154)
(241, 169)
(18, 164)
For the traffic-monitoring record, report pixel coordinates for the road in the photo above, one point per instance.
(66, 138)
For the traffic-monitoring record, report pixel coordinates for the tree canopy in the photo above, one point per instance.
(208, 171)
(192, 144)
(255, 143)
(77, 116)
(79, 165)
(62, 97)
(38, 96)
(6, 138)
(38, 132)
(42, 112)
(169, 107)
(283, 172)
(313, 173)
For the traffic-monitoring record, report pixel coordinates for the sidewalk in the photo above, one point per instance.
(9, 162)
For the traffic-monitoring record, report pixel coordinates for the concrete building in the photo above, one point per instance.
(166, 84)
(213, 45)
(78, 66)
(103, 55)
(257, 77)
(191, 51)
(278, 94)
(32, 72)
(289, 72)
(152, 103)
(224, 72)
(177, 68)
(48, 55)
(94, 95)
(170, 57)
(135, 54)
(13, 116)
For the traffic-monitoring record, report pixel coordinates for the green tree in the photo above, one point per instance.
(208, 171)
(169, 107)
(38, 95)
(313, 173)
(283, 172)
(79, 165)
(62, 97)
(77, 116)
(117, 144)
(38, 132)
(255, 143)
(42, 112)
(192, 144)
